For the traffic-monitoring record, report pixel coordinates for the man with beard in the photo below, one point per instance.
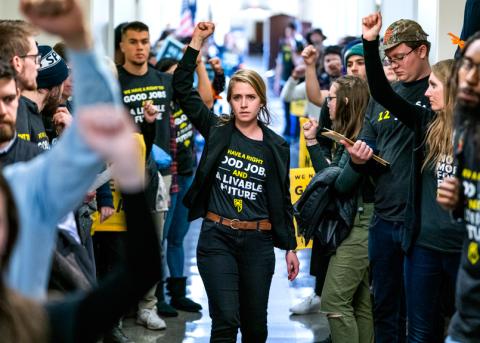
(12, 149)
(463, 196)
(18, 46)
(47, 97)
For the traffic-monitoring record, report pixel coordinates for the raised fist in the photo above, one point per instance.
(310, 129)
(371, 26)
(203, 30)
(298, 72)
(59, 17)
(216, 64)
(310, 55)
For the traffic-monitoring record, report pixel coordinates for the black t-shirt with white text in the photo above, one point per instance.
(155, 86)
(437, 231)
(238, 191)
(394, 143)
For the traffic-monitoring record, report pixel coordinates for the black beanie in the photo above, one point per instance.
(53, 69)
(333, 49)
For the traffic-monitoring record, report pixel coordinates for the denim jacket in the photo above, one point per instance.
(49, 186)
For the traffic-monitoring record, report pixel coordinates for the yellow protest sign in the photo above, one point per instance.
(299, 179)
(303, 155)
(117, 221)
(297, 107)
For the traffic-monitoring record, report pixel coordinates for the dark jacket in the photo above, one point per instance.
(217, 139)
(20, 151)
(317, 201)
(29, 123)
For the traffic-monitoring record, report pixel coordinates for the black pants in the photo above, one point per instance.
(236, 267)
(318, 266)
(109, 248)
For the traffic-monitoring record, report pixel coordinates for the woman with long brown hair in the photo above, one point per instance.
(431, 242)
(345, 294)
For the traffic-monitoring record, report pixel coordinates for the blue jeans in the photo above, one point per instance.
(386, 261)
(429, 275)
(176, 227)
(236, 267)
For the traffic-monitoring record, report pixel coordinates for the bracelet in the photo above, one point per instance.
(294, 251)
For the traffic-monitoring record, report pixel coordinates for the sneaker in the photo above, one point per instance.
(310, 304)
(150, 319)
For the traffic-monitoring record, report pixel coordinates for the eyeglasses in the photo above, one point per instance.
(330, 98)
(467, 64)
(397, 59)
(37, 58)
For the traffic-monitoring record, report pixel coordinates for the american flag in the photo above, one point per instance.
(185, 29)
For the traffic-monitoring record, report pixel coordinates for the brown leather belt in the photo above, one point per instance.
(236, 224)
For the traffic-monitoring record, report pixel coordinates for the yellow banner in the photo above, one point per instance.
(117, 221)
(303, 155)
(297, 107)
(299, 179)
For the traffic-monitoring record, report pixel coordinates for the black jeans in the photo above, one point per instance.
(236, 267)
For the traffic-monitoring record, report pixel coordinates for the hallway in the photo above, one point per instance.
(283, 328)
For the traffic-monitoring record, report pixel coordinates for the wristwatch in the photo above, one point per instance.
(294, 251)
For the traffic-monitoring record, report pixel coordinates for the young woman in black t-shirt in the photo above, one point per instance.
(241, 188)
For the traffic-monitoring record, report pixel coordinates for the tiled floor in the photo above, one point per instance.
(283, 328)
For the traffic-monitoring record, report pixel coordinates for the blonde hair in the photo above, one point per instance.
(254, 79)
(439, 137)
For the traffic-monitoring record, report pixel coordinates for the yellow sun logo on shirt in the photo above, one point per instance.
(238, 203)
(473, 255)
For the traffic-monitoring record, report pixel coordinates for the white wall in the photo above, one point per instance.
(337, 19)
(449, 18)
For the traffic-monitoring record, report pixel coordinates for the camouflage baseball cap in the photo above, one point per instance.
(401, 31)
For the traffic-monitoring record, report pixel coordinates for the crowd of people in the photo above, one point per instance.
(84, 140)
